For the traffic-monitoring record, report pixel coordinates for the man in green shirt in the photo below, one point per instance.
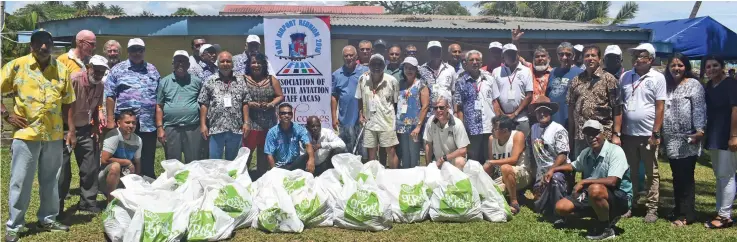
(605, 192)
(177, 111)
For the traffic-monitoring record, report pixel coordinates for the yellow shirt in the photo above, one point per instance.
(38, 96)
(70, 61)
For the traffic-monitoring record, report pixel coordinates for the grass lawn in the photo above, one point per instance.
(524, 227)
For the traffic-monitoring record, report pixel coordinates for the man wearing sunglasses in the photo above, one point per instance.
(90, 94)
(605, 192)
(205, 66)
(445, 137)
(132, 85)
(38, 137)
(284, 142)
(411, 51)
(560, 79)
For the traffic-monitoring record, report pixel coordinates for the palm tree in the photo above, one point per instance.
(589, 11)
(82, 7)
(146, 13)
(115, 10)
(98, 9)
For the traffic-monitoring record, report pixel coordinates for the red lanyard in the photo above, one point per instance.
(512, 79)
(640, 81)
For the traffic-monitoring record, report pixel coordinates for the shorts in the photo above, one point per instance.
(102, 179)
(255, 139)
(618, 203)
(521, 175)
(372, 139)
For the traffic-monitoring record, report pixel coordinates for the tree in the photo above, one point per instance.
(98, 9)
(420, 7)
(115, 10)
(146, 13)
(185, 11)
(14, 23)
(47, 11)
(589, 11)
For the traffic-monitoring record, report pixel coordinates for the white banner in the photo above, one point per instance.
(299, 50)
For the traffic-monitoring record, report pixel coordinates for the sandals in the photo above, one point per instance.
(679, 222)
(516, 208)
(725, 223)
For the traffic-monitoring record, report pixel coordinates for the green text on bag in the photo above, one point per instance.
(458, 198)
(293, 184)
(411, 198)
(362, 206)
(201, 226)
(308, 208)
(181, 177)
(269, 219)
(157, 226)
(231, 202)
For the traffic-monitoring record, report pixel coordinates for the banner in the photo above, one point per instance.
(299, 50)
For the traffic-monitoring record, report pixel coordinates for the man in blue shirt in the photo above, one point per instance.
(283, 143)
(560, 81)
(605, 192)
(343, 102)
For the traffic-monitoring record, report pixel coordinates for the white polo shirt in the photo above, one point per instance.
(378, 105)
(446, 139)
(513, 85)
(639, 94)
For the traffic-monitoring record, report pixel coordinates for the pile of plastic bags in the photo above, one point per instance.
(208, 200)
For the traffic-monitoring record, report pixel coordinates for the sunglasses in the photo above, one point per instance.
(89, 43)
(285, 113)
(590, 133)
(565, 54)
(441, 108)
(136, 49)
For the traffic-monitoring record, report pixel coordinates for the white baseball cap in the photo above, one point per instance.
(253, 38)
(646, 47)
(592, 124)
(411, 60)
(377, 56)
(495, 45)
(98, 60)
(204, 47)
(181, 52)
(507, 47)
(136, 41)
(434, 43)
(579, 48)
(613, 49)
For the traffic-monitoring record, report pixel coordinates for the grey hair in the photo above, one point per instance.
(565, 45)
(541, 49)
(474, 52)
(111, 43)
(366, 42)
(451, 46)
(442, 99)
(349, 47)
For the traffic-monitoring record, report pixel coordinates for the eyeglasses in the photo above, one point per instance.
(592, 133)
(285, 113)
(643, 57)
(441, 108)
(89, 43)
(565, 54)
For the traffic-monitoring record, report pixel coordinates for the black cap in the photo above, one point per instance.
(40, 32)
(380, 42)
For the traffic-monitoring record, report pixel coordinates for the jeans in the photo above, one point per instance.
(25, 158)
(408, 150)
(183, 139)
(88, 160)
(148, 152)
(349, 135)
(229, 141)
(724, 163)
(684, 187)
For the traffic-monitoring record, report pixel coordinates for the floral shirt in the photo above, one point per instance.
(685, 112)
(38, 96)
(134, 87)
(475, 96)
(202, 70)
(409, 106)
(596, 97)
(224, 103)
(440, 82)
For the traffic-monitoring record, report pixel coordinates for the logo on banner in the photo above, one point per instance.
(298, 52)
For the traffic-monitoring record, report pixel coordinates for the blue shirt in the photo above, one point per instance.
(284, 146)
(134, 87)
(558, 84)
(476, 116)
(344, 89)
(409, 96)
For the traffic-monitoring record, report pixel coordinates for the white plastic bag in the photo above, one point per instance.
(116, 220)
(159, 218)
(455, 200)
(276, 211)
(493, 205)
(330, 183)
(363, 206)
(371, 168)
(348, 166)
(237, 202)
(408, 193)
(313, 206)
(207, 222)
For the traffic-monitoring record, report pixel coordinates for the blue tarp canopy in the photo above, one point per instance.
(695, 38)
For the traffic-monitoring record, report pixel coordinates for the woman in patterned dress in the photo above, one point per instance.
(414, 100)
(683, 129)
(266, 93)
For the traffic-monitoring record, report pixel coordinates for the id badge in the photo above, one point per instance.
(631, 105)
(403, 109)
(478, 105)
(227, 101)
(510, 94)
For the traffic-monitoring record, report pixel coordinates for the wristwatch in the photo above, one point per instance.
(656, 135)
(445, 158)
(618, 134)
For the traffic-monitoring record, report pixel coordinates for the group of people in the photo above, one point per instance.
(532, 126)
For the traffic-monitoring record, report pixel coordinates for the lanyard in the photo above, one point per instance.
(639, 82)
(436, 74)
(512, 79)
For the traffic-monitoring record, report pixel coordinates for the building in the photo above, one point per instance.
(165, 34)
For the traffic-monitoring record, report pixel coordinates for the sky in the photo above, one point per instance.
(723, 11)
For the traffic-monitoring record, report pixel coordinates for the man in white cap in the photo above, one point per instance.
(205, 66)
(240, 67)
(494, 57)
(437, 75)
(90, 92)
(38, 136)
(643, 94)
(377, 93)
(514, 81)
(605, 192)
(578, 49)
(613, 61)
(475, 89)
(132, 85)
(177, 111)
